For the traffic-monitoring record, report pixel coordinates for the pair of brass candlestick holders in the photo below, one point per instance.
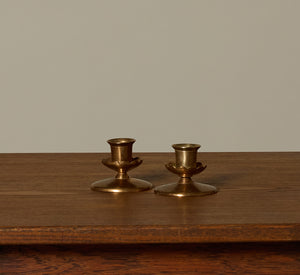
(185, 167)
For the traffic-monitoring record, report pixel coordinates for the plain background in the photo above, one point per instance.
(224, 74)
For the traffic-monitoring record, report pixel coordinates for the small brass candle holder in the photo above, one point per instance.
(185, 166)
(121, 161)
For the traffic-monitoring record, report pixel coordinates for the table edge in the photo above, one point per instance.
(135, 234)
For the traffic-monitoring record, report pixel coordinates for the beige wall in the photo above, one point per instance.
(225, 74)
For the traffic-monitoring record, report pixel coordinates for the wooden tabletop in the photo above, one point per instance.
(46, 199)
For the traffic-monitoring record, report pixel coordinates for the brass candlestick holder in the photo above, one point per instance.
(121, 161)
(186, 166)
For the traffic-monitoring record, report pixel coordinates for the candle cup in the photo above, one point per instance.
(121, 160)
(186, 154)
(121, 149)
(185, 166)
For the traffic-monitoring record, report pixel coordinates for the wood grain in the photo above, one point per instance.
(242, 258)
(45, 198)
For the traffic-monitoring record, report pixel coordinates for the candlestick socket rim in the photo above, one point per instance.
(186, 146)
(121, 141)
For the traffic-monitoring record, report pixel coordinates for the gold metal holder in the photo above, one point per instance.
(186, 166)
(121, 161)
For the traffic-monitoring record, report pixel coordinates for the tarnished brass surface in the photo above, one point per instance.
(121, 161)
(185, 166)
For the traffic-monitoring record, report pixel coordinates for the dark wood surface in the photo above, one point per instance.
(45, 199)
(237, 258)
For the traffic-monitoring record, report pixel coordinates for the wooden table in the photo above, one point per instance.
(51, 222)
